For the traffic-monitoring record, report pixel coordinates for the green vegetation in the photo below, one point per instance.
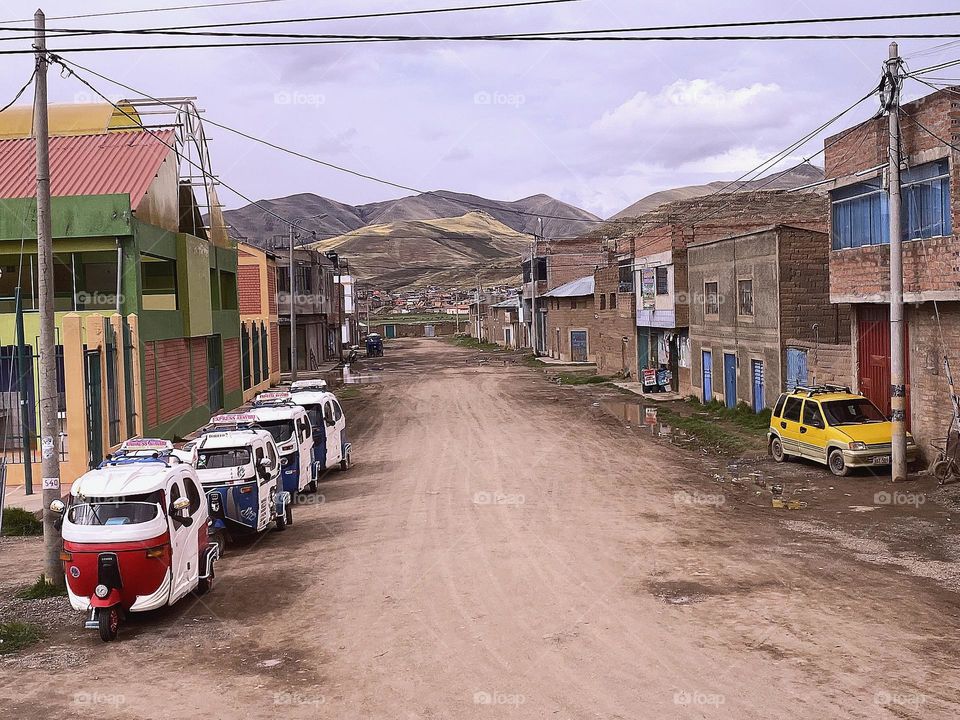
(349, 392)
(16, 635)
(573, 378)
(472, 343)
(733, 430)
(531, 360)
(17, 521)
(42, 589)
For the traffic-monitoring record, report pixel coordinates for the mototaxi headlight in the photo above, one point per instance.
(101, 591)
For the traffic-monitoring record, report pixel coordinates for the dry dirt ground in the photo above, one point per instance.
(504, 549)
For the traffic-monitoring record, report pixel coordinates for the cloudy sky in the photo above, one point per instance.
(598, 125)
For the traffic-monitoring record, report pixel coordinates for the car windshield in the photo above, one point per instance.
(315, 413)
(280, 429)
(852, 412)
(130, 510)
(222, 458)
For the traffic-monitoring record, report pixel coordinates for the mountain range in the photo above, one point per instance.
(447, 238)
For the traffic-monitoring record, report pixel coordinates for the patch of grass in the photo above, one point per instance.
(471, 343)
(42, 589)
(570, 378)
(733, 430)
(349, 392)
(19, 522)
(15, 636)
(531, 360)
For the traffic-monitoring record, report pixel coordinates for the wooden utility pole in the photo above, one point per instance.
(49, 421)
(898, 467)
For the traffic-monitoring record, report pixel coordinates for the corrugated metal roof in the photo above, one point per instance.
(574, 288)
(512, 302)
(105, 164)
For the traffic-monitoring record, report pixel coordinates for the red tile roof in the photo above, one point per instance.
(104, 164)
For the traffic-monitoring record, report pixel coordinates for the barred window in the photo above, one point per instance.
(745, 297)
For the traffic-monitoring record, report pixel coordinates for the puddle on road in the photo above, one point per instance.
(680, 592)
(638, 415)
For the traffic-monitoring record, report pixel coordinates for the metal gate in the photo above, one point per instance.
(429, 331)
(113, 396)
(759, 395)
(245, 356)
(796, 368)
(93, 389)
(214, 374)
(873, 356)
(256, 355)
(390, 331)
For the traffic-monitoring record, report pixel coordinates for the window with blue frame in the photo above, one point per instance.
(861, 215)
(925, 198)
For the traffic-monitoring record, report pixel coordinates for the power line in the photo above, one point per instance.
(181, 30)
(365, 39)
(152, 10)
(21, 91)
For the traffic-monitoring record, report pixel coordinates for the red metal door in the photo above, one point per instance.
(873, 356)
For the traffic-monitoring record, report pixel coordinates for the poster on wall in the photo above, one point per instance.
(648, 288)
(649, 376)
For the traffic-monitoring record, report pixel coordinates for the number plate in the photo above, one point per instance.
(881, 460)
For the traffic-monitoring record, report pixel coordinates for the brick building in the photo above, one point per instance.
(855, 162)
(558, 262)
(319, 304)
(615, 308)
(763, 321)
(259, 322)
(658, 241)
(570, 321)
(502, 323)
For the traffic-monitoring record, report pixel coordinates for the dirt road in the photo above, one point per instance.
(499, 550)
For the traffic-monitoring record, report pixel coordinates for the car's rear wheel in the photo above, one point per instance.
(776, 450)
(837, 464)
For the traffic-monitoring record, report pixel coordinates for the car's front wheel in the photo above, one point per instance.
(837, 464)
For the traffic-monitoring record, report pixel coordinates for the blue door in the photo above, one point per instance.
(707, 376)
(578, 345)
(796, 368)
(759, 399)
(730, 379)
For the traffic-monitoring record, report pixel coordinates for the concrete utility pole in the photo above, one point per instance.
(479, 323)
(49, 430)
(898, 467)
(533, 286)
(293, 307)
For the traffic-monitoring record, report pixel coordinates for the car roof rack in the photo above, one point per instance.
(812, 390)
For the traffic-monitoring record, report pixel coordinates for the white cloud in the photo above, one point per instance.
(690, 103)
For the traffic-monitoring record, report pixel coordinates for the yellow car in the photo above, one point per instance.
(833, 426)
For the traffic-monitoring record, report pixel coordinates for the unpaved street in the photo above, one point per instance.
(500, 550)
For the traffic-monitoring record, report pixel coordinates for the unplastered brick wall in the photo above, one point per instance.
(929, 266)
(806, 313)
(272, 287)
(231, 364)
(173, 383)
(930, 407)
(614, 355)
(275, 345)
(571, 258)
(248, 289)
